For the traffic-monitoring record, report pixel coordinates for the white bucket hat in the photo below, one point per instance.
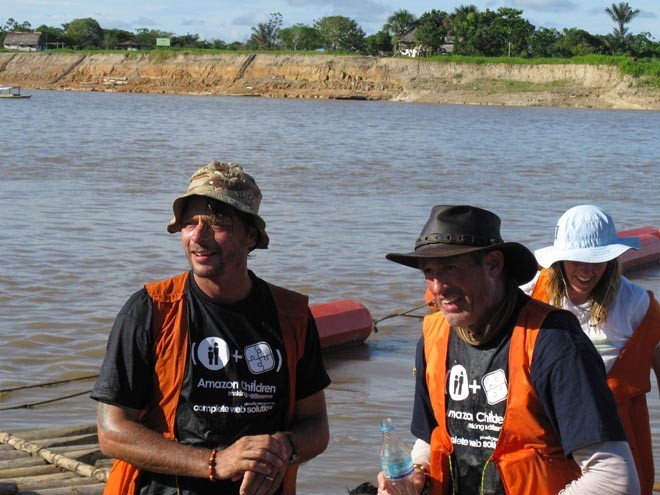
(586, 234)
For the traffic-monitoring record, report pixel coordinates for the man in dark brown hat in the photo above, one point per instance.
(510, 395)
(213, 380)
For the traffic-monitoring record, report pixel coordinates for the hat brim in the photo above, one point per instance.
(519, 262)
(179, 204)
(548, 256)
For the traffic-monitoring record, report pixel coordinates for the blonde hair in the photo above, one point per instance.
(601, 297)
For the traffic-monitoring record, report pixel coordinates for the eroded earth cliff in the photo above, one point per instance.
(328, 76)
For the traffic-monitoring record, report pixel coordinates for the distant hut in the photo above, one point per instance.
(24, 41)
(406, 43)
(448, 45)
(128, 45)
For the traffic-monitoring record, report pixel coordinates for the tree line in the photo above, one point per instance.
(501, 33)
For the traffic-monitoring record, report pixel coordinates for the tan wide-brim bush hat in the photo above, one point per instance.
(452, 230)
(230, 184)
(585, 233)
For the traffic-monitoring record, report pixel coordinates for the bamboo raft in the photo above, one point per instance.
(54, 461)
(62, 461)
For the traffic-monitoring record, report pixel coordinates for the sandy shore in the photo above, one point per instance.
(327, 76)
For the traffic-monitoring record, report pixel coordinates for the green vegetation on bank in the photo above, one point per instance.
(646, 70)
(466, 31)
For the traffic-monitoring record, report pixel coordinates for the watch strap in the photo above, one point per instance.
(295, 453)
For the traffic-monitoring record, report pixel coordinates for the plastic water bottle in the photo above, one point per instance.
(395, 461)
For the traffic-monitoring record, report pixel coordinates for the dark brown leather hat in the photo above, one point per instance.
(452, 230)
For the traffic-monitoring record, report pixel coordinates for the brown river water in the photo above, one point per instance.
(87, 182)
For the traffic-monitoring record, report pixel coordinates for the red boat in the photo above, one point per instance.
(342, 323)
(648, 252)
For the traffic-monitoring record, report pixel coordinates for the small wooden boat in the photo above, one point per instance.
(12, 92)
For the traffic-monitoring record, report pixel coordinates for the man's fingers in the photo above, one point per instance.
(258, 484)
(260, 454)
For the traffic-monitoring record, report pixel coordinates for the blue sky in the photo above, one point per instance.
(233, 20)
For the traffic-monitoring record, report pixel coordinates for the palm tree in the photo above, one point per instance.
(400, 22)
(622, 14)
(266, 35)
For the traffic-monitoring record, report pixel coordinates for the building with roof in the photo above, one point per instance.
(24, 41)
(407, 45)
(128, 45)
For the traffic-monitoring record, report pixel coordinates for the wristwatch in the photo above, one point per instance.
(295, 453)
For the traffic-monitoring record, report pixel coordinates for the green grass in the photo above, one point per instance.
(646, 70)
(498, 86)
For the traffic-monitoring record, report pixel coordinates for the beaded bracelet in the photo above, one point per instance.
(214, 453)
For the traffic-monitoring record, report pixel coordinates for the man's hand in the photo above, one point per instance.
(260, 460)
(383, 485)
(385, 489)
(260, 484)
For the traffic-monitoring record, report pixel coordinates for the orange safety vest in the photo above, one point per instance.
(170, 327)
(629, 380)
(528, 454)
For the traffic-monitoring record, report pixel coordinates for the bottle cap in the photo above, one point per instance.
(387, 425)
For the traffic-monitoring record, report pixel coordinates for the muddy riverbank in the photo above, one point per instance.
(328, 76)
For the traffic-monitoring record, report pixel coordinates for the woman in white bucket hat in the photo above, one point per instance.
(581, 273)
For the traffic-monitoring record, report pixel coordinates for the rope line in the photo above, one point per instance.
(403, 313)
(37, 385)
(40, 403)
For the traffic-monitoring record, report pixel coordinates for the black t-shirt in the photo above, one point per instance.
(236, 377)
(567, 374)
(475, 409)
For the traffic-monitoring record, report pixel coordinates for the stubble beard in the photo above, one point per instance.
(209, 272)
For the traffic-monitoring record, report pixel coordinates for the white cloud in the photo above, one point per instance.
(144, 21)
(546, 5)
(193, 22)
(645, 14)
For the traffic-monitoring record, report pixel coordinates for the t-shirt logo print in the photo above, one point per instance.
(457, 385)
(494, 384)
(259, 358)
(213, 353)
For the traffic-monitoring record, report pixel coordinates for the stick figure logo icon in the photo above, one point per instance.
(213, 353)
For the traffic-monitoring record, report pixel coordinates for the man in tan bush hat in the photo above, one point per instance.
(213, 380)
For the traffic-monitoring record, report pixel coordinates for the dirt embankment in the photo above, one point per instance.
(325, 76)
